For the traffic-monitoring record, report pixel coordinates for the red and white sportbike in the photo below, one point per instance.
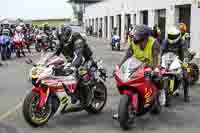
(74, 91)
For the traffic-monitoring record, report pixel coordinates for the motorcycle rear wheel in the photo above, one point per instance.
(99, 99)
(156, 108)
(33, 117)
(195, 73)
(18, 53)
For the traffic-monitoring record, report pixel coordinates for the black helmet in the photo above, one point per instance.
(67, 30)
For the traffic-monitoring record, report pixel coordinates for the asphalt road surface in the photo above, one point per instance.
(180, 118)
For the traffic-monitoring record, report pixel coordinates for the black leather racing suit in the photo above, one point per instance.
(74, 47)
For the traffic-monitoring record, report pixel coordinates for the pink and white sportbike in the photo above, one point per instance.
(52, 95)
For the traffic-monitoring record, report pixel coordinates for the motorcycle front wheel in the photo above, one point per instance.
(33, 115)
(126, 116)
(99, 99)
(37, 47)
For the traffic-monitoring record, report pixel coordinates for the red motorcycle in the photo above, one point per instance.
(137, 83)
(19, 44)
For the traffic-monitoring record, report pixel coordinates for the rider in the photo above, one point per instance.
(184, 35)
(4, 43)
(157, 33)
(46, 29)
(74, 46)
(114, 31)
(174, 43)
(144, 47)
(6, 26)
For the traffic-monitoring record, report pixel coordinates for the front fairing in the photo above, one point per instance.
(129, 69)
(171, 62)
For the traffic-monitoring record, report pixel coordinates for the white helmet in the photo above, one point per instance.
(21, 24)
(18, 28)
(6, 22)
(173, 35)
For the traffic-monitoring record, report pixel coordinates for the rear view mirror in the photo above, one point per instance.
(28, 61)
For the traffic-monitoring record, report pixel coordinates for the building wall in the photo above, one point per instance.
(134, 8)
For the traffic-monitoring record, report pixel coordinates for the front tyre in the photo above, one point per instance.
(118, 47)
(33, 115)
(37, 47)
(126, 116)
(99, 98)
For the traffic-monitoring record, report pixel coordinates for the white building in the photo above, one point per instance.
(165, 13)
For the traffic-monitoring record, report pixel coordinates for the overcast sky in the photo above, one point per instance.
(35, 9)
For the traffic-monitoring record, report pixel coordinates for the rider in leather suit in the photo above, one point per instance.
(175, 44)
(74, 46)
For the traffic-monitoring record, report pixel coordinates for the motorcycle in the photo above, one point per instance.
(138, 85)
(173, 71)
(19, 45)
(43, 43)
(5, 47)
(115, 42)
(54, 95)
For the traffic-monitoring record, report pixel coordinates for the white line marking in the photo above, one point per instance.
(14, 109)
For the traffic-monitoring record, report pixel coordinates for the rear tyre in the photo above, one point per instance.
(156, 108)
(34, 116)
(18, 53)
(195, 73)
(125, 111)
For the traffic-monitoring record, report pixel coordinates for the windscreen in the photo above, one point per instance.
(129, 67)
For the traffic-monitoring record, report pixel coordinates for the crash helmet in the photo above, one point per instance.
(67, 32)
(183, 27)
(21, 24)
(5, 32)
(140, 33)
(5, 24)
(19, 29)
(173, 35)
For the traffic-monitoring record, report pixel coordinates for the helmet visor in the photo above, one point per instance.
(173, 37)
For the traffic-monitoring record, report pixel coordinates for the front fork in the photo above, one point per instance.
(134, 99)
(43, 94)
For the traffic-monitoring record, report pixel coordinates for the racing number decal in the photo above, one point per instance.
(148, 94)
